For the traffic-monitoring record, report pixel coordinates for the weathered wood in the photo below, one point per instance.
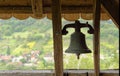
(96, 38)
(112, 9)
(90, 16)
(15, 2)
(5, 16)
(105, 74)
(28, 10)
(46, 9)
(15, 9)
(45, 2)
(77, 74)
(71, 17)
(37, 7)
(51, 73)
(57, 36)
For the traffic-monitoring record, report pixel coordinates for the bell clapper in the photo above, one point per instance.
(78, 56)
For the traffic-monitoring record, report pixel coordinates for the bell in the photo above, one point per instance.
(78, 44)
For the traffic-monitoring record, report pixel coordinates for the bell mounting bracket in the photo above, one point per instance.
(77, 25)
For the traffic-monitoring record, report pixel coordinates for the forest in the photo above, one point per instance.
(28, 45)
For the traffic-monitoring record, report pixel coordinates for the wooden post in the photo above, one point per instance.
(57, 36)
(96, 38)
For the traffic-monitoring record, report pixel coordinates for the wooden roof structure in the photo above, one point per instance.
(24, 8)
(69, 9)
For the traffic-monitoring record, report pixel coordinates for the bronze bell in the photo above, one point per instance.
(77, 43)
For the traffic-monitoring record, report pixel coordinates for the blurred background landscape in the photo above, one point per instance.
(28, 45)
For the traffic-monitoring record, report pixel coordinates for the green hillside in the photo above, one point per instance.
(21, 38)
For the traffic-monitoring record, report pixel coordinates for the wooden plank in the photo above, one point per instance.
(57, 36)
(96, 38)
(37, 7)
(46, 9)
(112, 9)
(109, 74)
(15, 9)
(105, 74)
(50, 73)
(15, 2)
(77, 74)
(45, 2)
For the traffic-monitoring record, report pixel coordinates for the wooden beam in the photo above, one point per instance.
(50, 73)
(57, 36)
(112, 9)
(46, 9)
(45, 2)
(96, 38)
(37, 7)
(15, 9)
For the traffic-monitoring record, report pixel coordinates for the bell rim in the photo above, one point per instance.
(78, 51)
